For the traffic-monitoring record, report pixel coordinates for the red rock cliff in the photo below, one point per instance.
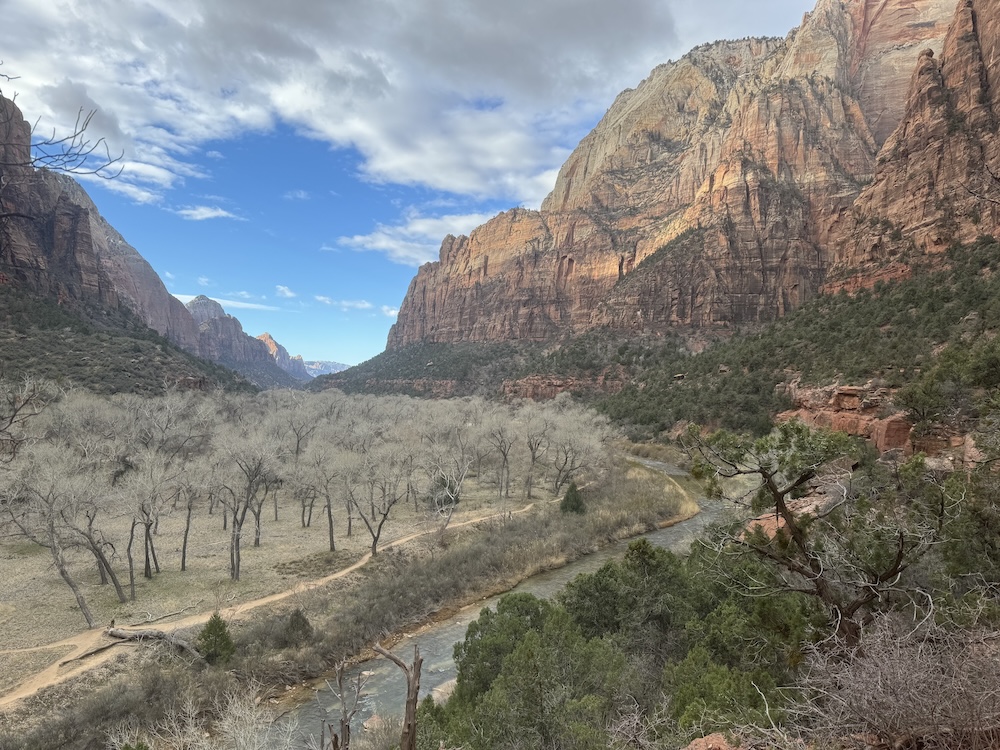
(714, 193)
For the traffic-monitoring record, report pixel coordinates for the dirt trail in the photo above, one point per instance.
(77, 661)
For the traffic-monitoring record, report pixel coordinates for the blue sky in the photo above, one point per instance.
(299, 167)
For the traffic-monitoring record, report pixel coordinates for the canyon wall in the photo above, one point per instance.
(734, 184)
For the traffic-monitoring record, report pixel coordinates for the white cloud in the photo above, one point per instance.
(344, 304)
(297, 195)
(390, 312)
(235, 304)
(201, 213)
(416, 240)
(285, 292)
(486, 113)
(169, 275)
(204, 281)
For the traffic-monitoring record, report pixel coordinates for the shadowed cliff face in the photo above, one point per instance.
(715, 193)
(55, 243)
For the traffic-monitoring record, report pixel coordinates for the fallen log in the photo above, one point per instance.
(155, 635)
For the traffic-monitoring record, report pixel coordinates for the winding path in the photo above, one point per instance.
(89, 648)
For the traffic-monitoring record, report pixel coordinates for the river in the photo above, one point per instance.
(385, 688)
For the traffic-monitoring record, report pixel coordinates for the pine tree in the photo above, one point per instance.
(572, 501)
(214, 641)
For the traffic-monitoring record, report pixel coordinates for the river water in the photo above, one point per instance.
(385, 689)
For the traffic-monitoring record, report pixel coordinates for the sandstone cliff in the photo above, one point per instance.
(936, 180)
(221, 339)
(294, 366)
(55, 243)
(717, 192)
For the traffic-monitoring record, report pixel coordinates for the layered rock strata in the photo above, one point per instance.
(718, 192)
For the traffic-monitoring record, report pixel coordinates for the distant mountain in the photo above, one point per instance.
(315, 369)
(221, 339)
(294, 366)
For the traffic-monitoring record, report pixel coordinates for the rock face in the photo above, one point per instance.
(856, 410)
(718, 192)
(294, 366)
(54, 242)
(221, 339)
(936, 177)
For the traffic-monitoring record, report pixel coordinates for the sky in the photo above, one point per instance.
(298, 161)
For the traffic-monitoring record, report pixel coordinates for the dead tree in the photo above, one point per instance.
(408, 740)
(348, 709)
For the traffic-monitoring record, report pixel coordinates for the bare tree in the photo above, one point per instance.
(44, 503)
(408, 741)
(536, 430)
(350, 699)
(925, 687)
(381, 474)
(248, 465)
(19, 404)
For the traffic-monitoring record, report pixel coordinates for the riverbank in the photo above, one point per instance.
(295, 696)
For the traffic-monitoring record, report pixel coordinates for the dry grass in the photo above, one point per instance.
(37, 608)
(15, 665)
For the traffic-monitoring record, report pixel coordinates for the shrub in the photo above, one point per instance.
(298, 629)
(215, 642)
(572, 501)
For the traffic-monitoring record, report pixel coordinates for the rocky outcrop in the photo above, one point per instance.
(856, 410)
(294, 366)
(711, 195)
(936, 177)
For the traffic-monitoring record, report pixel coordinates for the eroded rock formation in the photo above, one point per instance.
(726, 186)
(294, 366)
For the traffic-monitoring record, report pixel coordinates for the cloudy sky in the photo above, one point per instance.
(298, 160)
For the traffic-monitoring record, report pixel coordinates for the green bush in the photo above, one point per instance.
(572, 501)
(215, 642)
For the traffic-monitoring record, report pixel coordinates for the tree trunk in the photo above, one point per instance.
(131, 561)
(234, 549)
(408, 740)
(329, 523)
(187, 531)
(60, 563)
(104, 565)
(101, 572)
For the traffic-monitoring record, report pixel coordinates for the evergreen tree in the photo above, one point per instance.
(215, 642)
(572, 501)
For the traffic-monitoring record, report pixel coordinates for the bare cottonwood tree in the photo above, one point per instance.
(249, 475)
(45, 503)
